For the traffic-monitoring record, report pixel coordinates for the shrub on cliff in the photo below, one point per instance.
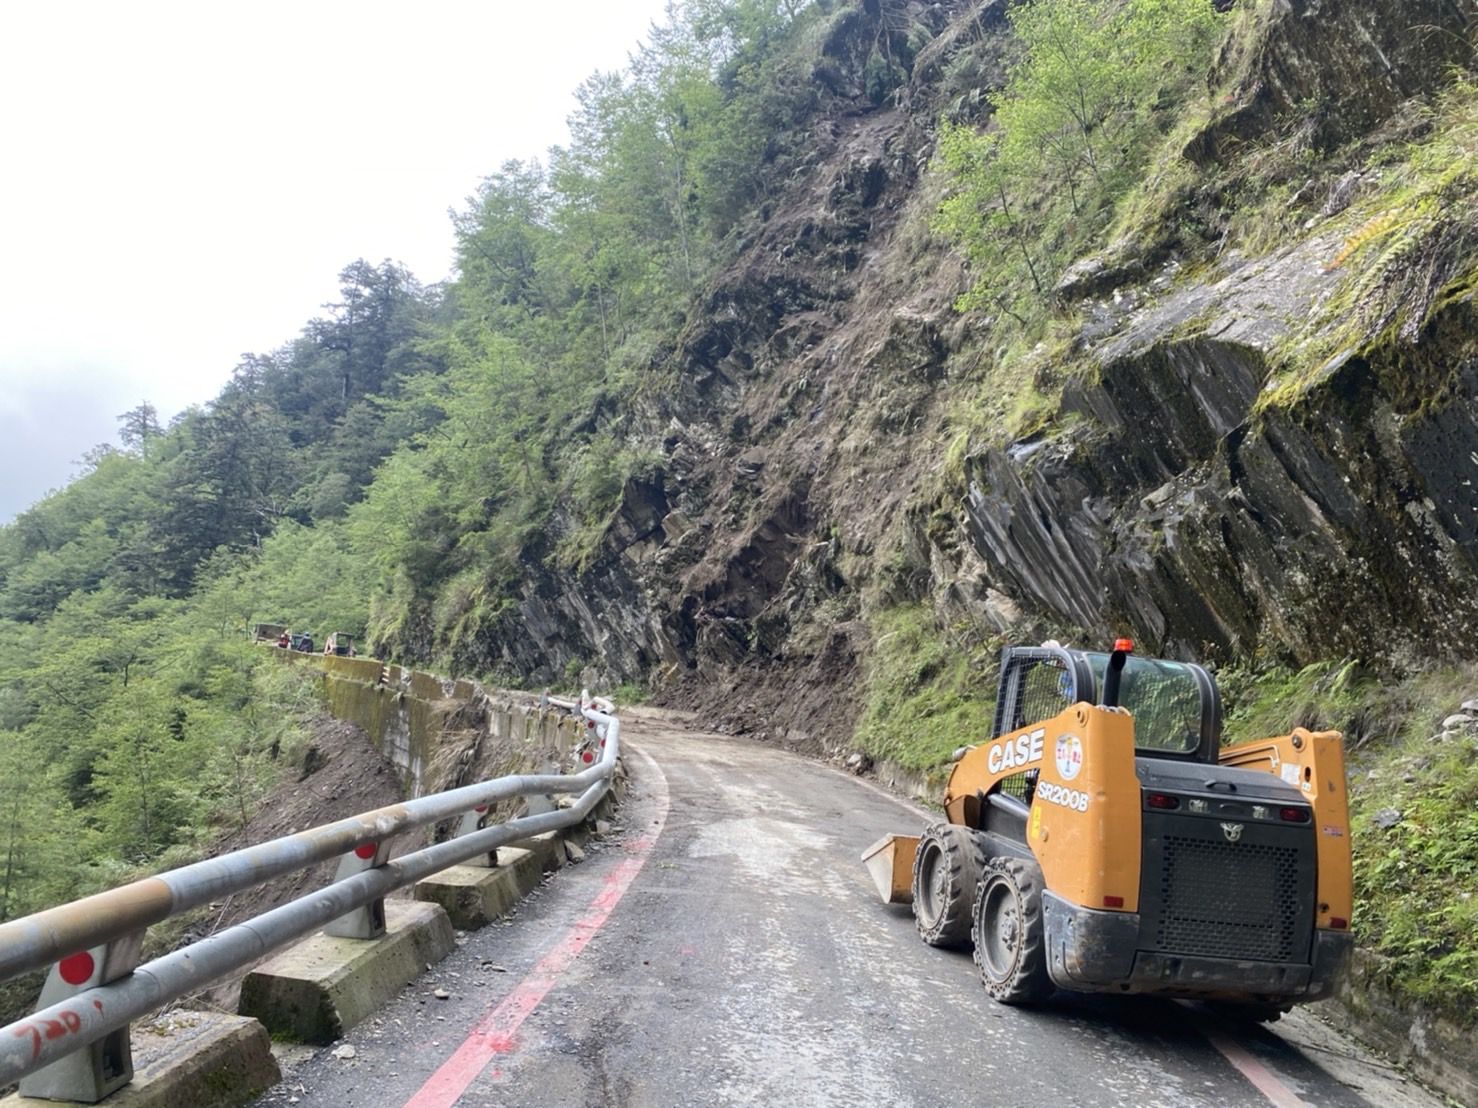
(1095, 86)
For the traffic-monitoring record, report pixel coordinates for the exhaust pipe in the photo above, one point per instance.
(1122, 649)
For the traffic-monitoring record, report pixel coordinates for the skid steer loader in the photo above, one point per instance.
(1102, 840)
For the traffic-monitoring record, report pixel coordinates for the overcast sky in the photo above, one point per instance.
(181, 183)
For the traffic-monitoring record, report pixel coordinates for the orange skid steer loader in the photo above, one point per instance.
(1103, 841)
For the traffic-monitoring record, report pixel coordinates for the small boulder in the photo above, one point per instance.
(574, 852)
(1453, 722)
(344, 1053)
(1386, 817)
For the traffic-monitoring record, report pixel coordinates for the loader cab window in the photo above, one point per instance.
(1172, 703)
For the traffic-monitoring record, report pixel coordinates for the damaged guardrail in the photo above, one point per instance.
(76, 1047)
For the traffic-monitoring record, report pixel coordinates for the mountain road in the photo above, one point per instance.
(724, 946)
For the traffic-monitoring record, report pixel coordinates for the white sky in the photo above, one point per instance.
(181, 183)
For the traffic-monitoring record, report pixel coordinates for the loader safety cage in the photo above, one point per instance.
(1176, 707)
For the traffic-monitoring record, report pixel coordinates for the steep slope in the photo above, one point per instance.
(1208, 472)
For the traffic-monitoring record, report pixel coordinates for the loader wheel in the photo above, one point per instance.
(1009, 946)
(946, 869)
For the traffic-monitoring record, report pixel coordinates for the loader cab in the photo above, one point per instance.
(1176, 707)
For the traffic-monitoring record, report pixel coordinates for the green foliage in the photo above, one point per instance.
(629, 694)
(1415, 907)
(929, 690)
(569, 277)
(1072, 130)
(1323, 696)
(597, 476)
(1408, 249)
(138, 730)
(390, 472)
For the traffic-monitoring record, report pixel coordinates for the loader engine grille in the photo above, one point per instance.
(1225, 900)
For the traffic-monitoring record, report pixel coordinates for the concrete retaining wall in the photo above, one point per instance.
(435, 730)
(1438, 1051)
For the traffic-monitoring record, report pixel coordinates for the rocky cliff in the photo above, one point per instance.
(1236, 444)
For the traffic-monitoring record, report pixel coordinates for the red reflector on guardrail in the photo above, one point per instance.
(76, 969)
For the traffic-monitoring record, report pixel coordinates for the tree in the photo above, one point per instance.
(137, 426)
(500, 238)
(36, 838)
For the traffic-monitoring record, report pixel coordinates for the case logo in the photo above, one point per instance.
(1015, 753)
(1069, 756)
(1233, 831)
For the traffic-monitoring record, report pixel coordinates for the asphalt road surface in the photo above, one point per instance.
(724, 946)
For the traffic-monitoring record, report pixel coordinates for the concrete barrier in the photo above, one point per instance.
(317, 990)
(409, 716)
(191, 1060)
(548, 848)
(473, 896)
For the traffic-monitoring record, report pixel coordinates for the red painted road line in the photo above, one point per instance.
(494, 1033)
(1265, 1081)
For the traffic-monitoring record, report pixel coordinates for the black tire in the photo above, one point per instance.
(1010, 947)
(946, 869)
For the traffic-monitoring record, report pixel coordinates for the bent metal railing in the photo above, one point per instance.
(95, 988)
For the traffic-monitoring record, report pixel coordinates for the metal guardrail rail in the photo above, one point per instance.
(101, 934)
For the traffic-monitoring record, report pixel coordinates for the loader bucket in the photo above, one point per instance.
(890, 861)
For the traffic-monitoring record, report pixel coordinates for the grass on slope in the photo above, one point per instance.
(1414, 812)
(928, 690)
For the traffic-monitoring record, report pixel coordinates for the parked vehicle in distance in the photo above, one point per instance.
(339, 643)
(268, 632)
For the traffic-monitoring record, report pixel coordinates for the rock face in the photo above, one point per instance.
(801, 418)
(1345, 65)
(1343, 522)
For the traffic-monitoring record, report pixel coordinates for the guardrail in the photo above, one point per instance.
(96, 988)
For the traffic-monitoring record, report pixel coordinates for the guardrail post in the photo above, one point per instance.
(367, 922)
(590, 741)
(537, 804)
(105, 1066)
(472, 822)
